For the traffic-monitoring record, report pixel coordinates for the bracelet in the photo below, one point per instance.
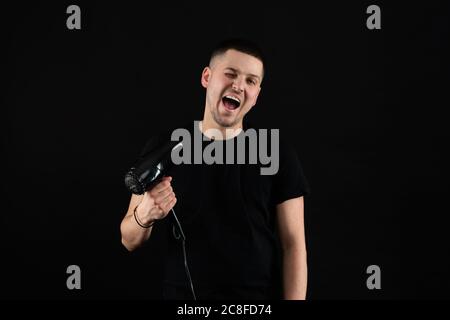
(140, 223)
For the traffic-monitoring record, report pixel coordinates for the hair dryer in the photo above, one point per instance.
(151, 167)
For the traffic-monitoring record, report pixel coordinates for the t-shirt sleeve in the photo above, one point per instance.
(157, 139)
(151, 144)
(290, 181)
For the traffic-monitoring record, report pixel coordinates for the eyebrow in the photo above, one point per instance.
(249, 74)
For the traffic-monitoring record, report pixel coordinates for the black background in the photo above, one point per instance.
(365, 108)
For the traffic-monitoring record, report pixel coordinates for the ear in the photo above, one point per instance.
(205, 77)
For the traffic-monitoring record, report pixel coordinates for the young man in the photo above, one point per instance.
(235, 219)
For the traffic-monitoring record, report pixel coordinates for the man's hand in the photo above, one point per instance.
(156, 202)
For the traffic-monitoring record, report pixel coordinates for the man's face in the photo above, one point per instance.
(232, 82)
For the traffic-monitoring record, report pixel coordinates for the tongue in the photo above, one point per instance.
(228, 104)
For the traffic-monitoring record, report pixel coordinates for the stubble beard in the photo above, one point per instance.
(222, 121)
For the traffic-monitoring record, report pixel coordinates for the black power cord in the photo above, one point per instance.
(183, 242)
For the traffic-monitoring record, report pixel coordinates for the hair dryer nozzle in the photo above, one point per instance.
(133, 184)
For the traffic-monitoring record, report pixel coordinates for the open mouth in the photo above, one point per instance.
(231, 102)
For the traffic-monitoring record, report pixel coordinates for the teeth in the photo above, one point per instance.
(233, 98)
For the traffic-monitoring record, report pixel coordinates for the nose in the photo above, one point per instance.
(238, 85)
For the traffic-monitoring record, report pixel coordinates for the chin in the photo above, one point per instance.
(225, 122)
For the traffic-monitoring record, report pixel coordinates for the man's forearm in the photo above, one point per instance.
(133, 235)
(295, 273)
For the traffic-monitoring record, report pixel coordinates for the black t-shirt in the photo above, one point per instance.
(227, 212)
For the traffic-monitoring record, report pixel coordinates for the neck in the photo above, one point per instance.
(217, 132)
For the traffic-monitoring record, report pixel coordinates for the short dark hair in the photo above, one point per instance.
(239, 44)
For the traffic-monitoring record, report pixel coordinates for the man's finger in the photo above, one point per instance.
(159, 198)
(169, 205)
(166, 199)
(161, 186)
